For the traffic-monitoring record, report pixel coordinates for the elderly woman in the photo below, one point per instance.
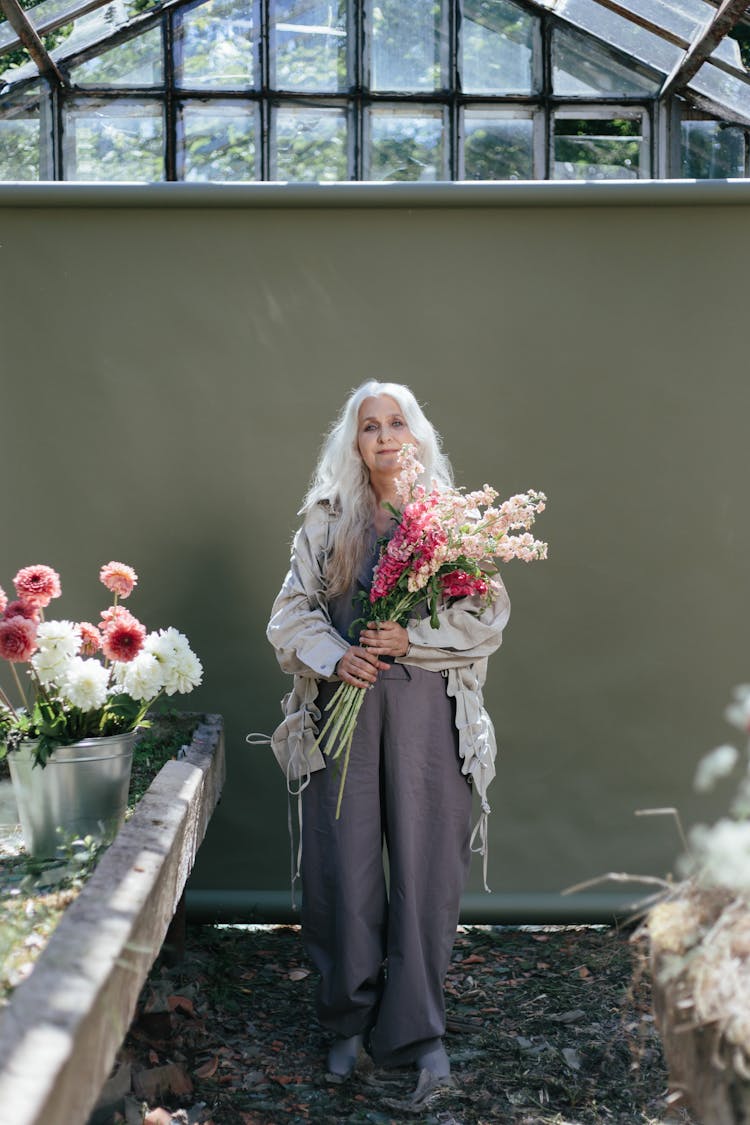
(380, 932)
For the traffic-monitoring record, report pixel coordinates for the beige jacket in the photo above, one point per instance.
(308, 647)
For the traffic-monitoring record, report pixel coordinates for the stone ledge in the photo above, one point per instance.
(62, 1029)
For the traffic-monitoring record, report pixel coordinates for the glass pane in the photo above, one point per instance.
(710, 152)
(113, 140)
(308, 45)
(218, 141)
(44, 15)
(729, 51)
(20, 139)
(497, 147)
(135, 63)
(309, 145)
(620, 33)
(497, 48)
(728, 91)
(581, 68)
(597, 149)
(407, 144)
(216, 45)
(409, 44)
(672, 17)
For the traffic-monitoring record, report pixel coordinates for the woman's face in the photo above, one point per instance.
(381, 431)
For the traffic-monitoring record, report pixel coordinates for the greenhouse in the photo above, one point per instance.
(298, 90)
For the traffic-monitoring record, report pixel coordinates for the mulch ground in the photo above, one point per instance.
(546, 1026)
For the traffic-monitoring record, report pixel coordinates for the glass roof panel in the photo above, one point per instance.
(89, 29)
(671, 17)
(46, 14)
(137, 62)
(729, 51)
(582, 68)
(728, 91)
(619, 32)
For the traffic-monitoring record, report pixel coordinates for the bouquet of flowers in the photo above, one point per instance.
(84, 680)
(444, 546)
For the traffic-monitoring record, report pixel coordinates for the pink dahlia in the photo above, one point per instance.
(114, 615)
(91, 638)
(3, 600)
(123, 640)
(17, 639)
(20, 608)
(118, 578)
(37, 585)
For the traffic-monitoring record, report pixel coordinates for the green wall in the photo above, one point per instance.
(170, 360)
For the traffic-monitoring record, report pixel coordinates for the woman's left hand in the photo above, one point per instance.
(385, 638)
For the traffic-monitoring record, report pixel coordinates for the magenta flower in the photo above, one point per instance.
(118, 578)
(91, 638)
(123, 639)
(21, 608)
(37, 585)
(17, 639)
(459, 584)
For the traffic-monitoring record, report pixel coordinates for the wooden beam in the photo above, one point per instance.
(728, 15)
(23, 28)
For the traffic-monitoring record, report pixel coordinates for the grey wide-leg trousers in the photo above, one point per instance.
(383, 956)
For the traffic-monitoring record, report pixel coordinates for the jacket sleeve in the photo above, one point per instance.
(300, 628)
(468, 630)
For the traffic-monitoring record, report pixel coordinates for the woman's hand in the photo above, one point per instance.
(385, 638)
(359, 667)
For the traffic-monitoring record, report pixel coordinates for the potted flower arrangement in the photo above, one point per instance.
(83, 690)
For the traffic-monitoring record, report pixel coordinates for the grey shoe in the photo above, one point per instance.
(428, 1085)
(342, 1058)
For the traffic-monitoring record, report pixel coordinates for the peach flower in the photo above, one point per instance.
(118, 578)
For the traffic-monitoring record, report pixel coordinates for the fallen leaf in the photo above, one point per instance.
(473, 959)
(208, 1070)
(299, 974)
(583, 972)
(569, 1017)
(182, 1004)
(572, 1058)
(169, 1079)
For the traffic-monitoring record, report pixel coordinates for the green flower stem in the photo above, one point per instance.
(7, 703)
(345, 716)
(21, 692)
(345, 766)
(333, 703)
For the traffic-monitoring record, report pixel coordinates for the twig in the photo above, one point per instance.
(668, 812)
(618, 877)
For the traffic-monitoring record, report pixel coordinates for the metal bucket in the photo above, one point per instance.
(82, 791)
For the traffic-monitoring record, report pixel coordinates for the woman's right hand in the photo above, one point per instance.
(359, 667)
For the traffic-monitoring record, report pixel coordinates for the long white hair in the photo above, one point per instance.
(342, 481)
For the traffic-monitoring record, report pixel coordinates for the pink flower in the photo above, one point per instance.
(123, 639)
(17, 639)
(118, 578)
(114, 615)
(21, 608)
(37, 585)
(459, 584)
(91, 638)
(3, 600)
